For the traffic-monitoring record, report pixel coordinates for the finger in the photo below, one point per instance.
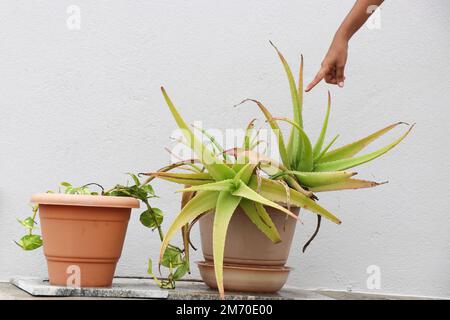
(340, 76)
(319, 76)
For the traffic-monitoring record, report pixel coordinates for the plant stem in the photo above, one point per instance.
(158, 226)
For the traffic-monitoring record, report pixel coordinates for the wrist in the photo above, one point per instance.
(342, 36)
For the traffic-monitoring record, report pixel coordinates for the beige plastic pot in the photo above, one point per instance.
(249, 252)
(83, 236)
(246, 244)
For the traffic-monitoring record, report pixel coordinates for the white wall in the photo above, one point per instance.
(85, 106)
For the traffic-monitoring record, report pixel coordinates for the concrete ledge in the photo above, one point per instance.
(136, 288)
(26, 288)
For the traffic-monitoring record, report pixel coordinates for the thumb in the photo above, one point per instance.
(340, 76)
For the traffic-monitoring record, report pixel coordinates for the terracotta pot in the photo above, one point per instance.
(83, 236)
(246, 244)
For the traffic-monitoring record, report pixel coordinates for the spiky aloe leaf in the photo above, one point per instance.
(215, 166)
(347, 184)
(319, 143)
(276, 192)
(261, 219)
(245, 173)
(276, 130)
(245, 192)
(316, 179)
(268, 165)
(294, 140)
(203, 201)
(248, 134)
(306, 157)
(226, 205)
(271, 167)
(192, 179)
(214, 186)
(322, 153)
(356, 161)
(213, 141)
(353, 148)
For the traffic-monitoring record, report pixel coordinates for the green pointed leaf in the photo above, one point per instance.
(276, 192)
(316, 179)
(245, 173)
(181, 271)
(135, 179)
(172, 257)
(200, 203)
(353, 148)
(245, 192)
(255, 213)
(319, 143)
(248, 134)
(275, 129)
(356, 161)
(215, 166)
(306, 157)
(296, 101)
(325, 150)
(214, 142)
(213, 186)
(30, 242)
(28, 223)
(192, 179)
(226, 205)
(347, 184)
(268, 165)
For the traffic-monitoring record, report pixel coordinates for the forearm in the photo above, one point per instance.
(357, 16)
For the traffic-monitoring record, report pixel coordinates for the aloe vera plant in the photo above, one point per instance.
(221, 184)
(314, 167)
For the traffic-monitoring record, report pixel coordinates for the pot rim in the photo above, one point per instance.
(84, 200)
(246, 267)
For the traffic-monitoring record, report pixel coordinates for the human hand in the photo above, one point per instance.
(333, 65)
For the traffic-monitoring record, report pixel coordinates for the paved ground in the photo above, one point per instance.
(185, 290)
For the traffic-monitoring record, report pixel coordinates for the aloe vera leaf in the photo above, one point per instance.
(245, 173)
(276, 192)
(306, 158)
(214, 142)
(321, 138)
(267, 164)
(294, 140)
(353, 148)
(322, 153)
(356, 161)
(275, 128)
(265, 225)
(192, 179)
(226, 205)
(317, 179)
(347, 184)
(248, 134)
(215, 166)
(246, 192)
(203, 201)
(213, 186)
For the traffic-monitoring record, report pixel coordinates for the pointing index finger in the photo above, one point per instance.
(319, 76)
